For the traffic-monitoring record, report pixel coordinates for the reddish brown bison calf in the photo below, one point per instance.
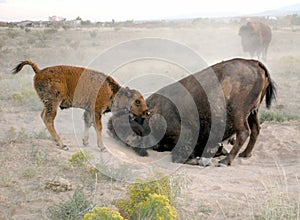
(196, 118)
(96, 93)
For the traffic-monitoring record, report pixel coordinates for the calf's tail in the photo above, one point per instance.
(19, 67)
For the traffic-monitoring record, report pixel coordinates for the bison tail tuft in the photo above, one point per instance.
(270, 93)
(19, 67)
(271, 89)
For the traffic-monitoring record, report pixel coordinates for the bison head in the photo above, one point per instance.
(130, 100)
(249, 39)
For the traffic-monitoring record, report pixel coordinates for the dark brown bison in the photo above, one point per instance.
(256, 37)
(192, 116)
(95, 92)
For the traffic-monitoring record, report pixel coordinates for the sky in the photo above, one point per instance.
(121, 10)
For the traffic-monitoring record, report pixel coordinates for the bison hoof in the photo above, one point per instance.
(85, 142)
(245, 155)
(141, 152)
(223, 163)
(65, 148)
(205, 162)
(102, 149)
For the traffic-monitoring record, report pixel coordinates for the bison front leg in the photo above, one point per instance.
(98, 127)
(241, 136)
(87, 116)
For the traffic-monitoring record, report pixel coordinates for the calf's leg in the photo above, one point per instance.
(98, 127)
(87, 116)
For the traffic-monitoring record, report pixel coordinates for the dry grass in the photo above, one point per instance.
(29, 158)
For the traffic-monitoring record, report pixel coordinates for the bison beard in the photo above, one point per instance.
(187, 133)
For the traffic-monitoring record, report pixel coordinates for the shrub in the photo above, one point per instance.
(102, 213)
(12, 34)
(74, 208)
(51, 30)
(93, 34)
(80, 159)
(156, 207)
(38, 156)
(279, 202)
(140, 191)
(277, 117)
(24, 96)
(42, 134)
(12, 135)
(27, 98)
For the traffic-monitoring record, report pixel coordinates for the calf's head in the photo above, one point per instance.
(132, 101)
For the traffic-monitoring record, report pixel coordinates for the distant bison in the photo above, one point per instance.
(256, 37)
(95, 92)
(188, 132)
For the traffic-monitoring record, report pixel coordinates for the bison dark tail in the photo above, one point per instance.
(271, 89)
(270, 93)
(19, 67)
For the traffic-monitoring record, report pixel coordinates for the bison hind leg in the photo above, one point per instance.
(253, 122)
(48, 115)
(242, 134)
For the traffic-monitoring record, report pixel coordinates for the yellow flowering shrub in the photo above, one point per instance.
(102, 213)
(139, 196)
(80, 159)
(156, 207)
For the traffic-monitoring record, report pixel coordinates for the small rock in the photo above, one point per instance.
(59, 184)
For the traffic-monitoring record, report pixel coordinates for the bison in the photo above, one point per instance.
(190, 118)
(95, 92)
(255, 38)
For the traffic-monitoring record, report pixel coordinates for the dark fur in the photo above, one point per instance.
(129, 130)
(244, 84)
(255, 38)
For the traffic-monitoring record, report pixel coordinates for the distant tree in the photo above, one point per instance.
(86, 23)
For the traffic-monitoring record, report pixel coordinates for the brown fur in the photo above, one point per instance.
(256, 37)
(244, 83)
(70, 86)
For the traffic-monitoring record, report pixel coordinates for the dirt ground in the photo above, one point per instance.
(248, 189)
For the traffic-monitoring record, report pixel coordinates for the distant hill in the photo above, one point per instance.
(292, 9)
